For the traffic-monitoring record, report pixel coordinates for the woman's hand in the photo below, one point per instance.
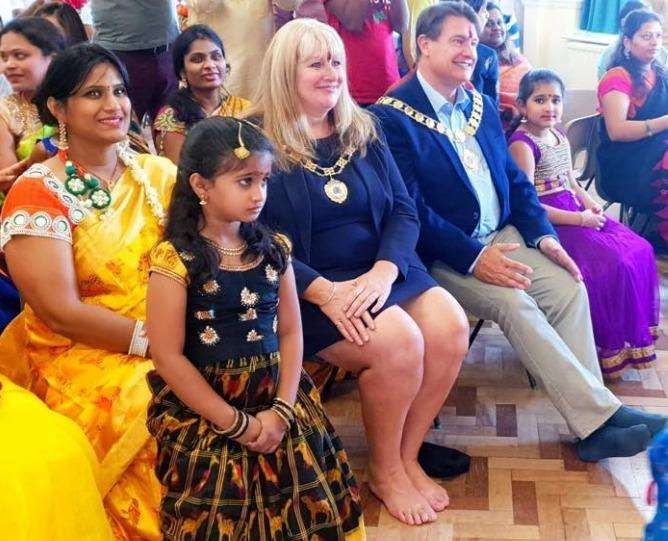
(9, 174)
(354, 329)
(372, 288)
(271, 433)
(592, 219)
(252, 432)
(588, 202)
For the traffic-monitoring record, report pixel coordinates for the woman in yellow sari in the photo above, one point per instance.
(76, 233)
(199, 63)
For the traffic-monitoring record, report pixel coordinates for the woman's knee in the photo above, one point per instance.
(400, 348)
(444, 325)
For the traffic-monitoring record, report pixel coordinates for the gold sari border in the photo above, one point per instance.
(169, 274)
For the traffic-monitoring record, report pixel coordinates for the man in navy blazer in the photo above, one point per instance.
(487, 239)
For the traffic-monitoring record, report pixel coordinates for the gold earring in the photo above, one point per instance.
(62, 135)
(202, 201)
(183, 83)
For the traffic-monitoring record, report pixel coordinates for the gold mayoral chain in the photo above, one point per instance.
(469, 158)
(335, 189)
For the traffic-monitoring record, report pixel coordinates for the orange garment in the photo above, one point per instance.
(510, 76)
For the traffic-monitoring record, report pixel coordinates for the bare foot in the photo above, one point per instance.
(434, 493)
(402, 499)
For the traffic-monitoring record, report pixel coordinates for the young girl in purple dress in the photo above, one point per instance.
(617, 265)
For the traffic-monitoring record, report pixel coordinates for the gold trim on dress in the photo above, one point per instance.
(169, 274)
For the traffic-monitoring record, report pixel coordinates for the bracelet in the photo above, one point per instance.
(139, 341)
(48, 145)
(332, 292)
(238, 427)
(648, 129)
(284, 410)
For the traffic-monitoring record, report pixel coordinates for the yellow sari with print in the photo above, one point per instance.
(105, 393)
(166, 121)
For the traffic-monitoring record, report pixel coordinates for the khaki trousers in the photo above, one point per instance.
(549, 326)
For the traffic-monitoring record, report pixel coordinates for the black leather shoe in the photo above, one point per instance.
(439, 461)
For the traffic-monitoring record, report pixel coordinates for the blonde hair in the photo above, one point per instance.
(277, 102)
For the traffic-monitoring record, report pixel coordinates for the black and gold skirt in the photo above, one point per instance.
(217, 489)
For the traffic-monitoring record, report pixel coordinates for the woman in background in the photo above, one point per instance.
(512, 65)
(199, 63)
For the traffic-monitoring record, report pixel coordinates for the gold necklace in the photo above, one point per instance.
(28, 116)
(231, 252)
(469, 158)
(335, 189)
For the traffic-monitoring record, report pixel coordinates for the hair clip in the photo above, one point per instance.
(241, 151)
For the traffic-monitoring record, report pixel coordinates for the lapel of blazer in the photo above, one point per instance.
(482, 136)
(418, 100)
(297, 192)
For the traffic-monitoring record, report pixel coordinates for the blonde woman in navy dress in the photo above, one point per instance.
(368, 304)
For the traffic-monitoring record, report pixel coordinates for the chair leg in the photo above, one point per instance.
(532, 381)
(475, 331)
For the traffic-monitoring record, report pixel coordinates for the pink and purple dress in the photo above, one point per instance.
(618, 266)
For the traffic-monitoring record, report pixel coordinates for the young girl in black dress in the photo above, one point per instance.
(245, 449)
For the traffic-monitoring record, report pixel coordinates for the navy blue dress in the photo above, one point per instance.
(345, 240)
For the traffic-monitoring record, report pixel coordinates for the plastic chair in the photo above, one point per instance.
(579, 103)
(582, 134)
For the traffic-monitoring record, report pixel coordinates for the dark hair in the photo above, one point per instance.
(430, 22)
(41, 33)
(507, 52)
(476, 5)
(68, 71)
(630, 6)
(527, 87)
(631, 25)
(186, 108)
(68, 18)
(209, 150)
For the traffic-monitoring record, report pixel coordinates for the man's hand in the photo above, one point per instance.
(552, 249)
(494, 267)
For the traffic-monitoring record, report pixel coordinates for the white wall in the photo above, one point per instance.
(552, 39)
(6, 7)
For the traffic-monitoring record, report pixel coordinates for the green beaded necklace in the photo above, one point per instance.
(85, 186)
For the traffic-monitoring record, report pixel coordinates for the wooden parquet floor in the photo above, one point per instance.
(525, 480)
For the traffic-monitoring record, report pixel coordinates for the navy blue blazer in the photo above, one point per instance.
(485, 76)
(288, 210)
(435, 177)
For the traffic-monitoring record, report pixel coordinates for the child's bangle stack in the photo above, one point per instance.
(284, 410)
(238, 427)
